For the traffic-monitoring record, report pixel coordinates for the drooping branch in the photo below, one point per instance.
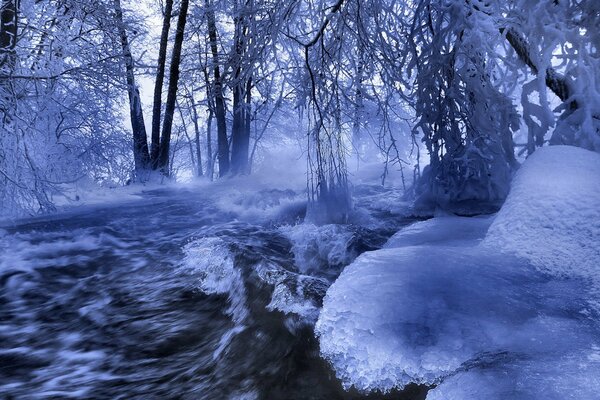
(555, 81)
(9, 15)
(334, 9)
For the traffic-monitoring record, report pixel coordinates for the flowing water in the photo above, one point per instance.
(174, 296)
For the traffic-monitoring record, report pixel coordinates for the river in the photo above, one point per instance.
(173, 296)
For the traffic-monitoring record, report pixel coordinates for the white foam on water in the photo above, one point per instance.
(226, 340)
(316, 247)
(293, 293)
(211, 264)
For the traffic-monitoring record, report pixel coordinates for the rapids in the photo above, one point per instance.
(176, 295)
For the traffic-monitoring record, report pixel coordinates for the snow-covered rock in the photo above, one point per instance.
(481, 320)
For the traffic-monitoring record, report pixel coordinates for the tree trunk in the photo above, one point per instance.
(247, 126)
(358, 100)
(9, 17)
(237, 128)
(199, 171)
(163, 156)
(554, 81)
(140, 139)
(209, 153)
(158, 84)
(186, 133)
(222, 143)
(240, 132)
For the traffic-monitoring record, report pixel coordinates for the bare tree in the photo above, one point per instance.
(163, 157)
(158, 84)
(140, 138)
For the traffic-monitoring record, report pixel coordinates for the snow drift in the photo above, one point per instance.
(552, 215)
(510, 317)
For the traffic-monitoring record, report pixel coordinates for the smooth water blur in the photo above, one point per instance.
(174, 296)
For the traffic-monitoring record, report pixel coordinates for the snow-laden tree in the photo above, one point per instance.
(60, 101)
(463, 66)
(465, 119)
(462, 76)
(558, 41)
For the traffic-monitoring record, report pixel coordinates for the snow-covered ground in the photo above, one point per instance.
(511, 313)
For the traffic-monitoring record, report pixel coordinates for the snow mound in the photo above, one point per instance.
(490, 320)
(552, 214)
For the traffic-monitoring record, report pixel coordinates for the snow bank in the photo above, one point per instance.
(552, 214)
(574, 376)
(421, 313)
(480, 321)
(444, 230)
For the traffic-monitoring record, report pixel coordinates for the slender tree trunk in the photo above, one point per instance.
(209, 152)
(358, 100)
(140, 139)
(246, 144)
(158, 84)
(222, 143)
(211, 113)
(197, 131)
(237, 128)
(9, 17)
(186, 133)
(163, 156)
(240, 132)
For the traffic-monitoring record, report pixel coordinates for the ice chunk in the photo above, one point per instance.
(418, 314)
(552, 214)
(293, 293)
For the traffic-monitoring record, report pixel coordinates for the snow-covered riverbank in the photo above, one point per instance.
(511, 313)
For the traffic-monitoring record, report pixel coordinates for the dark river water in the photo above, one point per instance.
(173, 296)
